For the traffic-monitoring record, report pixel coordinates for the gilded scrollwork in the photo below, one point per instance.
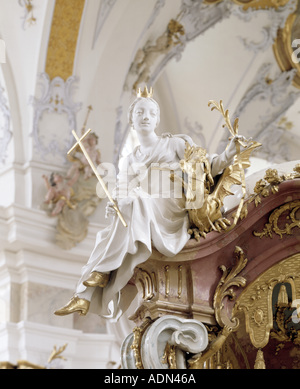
(283, 48)
(198, 361)
(227, 324)
(55, 355)
(136, 344)
(225, 288)
(169, 356)
(267, 186)
(273, 225)
(224, 351)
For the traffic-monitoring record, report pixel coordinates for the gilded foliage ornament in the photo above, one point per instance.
(267, 186)
(229, 280)
(273, 226)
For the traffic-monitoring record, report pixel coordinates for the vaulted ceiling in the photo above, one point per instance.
(66, 55)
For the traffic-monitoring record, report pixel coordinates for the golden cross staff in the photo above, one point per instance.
(233, 131)
(79, 143)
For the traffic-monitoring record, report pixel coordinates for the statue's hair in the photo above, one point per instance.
(52, 182)
(131, 108)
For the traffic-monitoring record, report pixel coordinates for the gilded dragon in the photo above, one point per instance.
(205, 198)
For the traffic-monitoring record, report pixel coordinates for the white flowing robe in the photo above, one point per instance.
(151, 221)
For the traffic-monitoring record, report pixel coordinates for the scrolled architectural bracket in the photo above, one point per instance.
(163, 344)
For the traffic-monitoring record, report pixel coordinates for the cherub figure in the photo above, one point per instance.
(79, 162)
(146, 57)
(59, 192)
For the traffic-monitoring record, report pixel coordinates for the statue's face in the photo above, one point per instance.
(57, 178)
(144, 116)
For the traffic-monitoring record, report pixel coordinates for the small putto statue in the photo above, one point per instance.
(59, 192)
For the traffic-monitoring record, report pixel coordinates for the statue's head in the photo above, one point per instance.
(144, 101)
(55, 178)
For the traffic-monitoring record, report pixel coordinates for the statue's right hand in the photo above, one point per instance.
(110, 209)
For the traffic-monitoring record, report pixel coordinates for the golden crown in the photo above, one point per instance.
(145, 92)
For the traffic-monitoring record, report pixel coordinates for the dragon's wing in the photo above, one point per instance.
(232, 174)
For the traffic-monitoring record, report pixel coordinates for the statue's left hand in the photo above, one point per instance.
(231, 150)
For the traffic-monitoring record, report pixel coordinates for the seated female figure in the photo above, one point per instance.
(153, 219)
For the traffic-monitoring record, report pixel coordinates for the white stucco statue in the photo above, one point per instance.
(153, 218)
